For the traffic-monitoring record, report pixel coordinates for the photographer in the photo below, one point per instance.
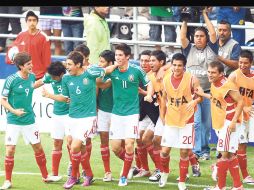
(199, 55)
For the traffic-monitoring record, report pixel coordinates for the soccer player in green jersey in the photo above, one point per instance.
(105, 104)
(125, 112)
(17, 99)
(80, 87)
(60, 118)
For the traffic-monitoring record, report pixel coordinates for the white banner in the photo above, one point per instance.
(43, 109)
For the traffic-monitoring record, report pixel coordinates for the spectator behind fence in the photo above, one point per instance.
(229, 49)
(97, 33)
(47, 25)
(4, 23)
(36, 43)
(235, 16)
(72, 28)
(199, 55)
(162, 14)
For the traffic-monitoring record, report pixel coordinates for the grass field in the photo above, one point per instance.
(27, 177)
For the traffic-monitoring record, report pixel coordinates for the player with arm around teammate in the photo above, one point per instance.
(226, 107)
(80, 87)
(17, 99)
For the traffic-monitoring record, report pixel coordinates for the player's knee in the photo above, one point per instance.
(184, 153)
(37, 148)
(10, 150)
(157, 141)
(58, 144)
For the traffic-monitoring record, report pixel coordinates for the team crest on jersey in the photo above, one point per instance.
(85, 81)
(131, 77)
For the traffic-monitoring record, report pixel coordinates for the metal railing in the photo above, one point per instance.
(135, 42)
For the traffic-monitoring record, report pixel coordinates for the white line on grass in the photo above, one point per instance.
(132, 181)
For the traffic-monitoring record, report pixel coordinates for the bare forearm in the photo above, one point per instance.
(230, 63)
(59, 98)
(6, 105)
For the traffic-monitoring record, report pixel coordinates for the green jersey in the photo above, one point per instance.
(60, 108)
(81, 90)
(161, 11)
(105, 98)
(125, 89)
(19, 92)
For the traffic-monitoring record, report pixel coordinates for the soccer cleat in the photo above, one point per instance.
(155, 176)
(248, 180)
(205, 156)
(196, 170)
(88, 180)
(131, 172)
(69, 169)
(52, 178)
(107, 177)
(122, 181)
(182, 186)
(187, 178)
(214, 172)
(70, 182)
(163, 180)
(142, 173)
(6, 185)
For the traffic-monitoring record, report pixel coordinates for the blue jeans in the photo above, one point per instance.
(202, 126)
(169, 31)
(74, 29)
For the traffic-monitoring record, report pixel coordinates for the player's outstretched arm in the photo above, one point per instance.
(38, 83)
(6, 105)
(162, 71)
(59, 97)
(103, 85)
(111, 68)
(150, 92)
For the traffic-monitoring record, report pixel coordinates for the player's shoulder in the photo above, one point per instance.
(11, 78)
(135, 67)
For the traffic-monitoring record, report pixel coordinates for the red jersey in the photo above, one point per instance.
(38, 46)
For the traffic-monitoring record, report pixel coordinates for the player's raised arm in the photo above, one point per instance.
(59, 97)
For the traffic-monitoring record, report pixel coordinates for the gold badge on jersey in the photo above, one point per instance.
(85, 81)
(131, 78)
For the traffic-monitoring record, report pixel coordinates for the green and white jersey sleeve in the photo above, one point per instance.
(81, 90)
(60, 108)
(125, 89)
(19, 93)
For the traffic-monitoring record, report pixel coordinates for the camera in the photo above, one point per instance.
(189, 13)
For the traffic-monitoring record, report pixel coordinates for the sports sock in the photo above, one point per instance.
(56, 157)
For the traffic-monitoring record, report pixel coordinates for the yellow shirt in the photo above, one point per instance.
(219, 104)
(177, 114)
(246, 88)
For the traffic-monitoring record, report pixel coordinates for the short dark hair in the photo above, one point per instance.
(247, 54)
(225, 22)
(21, 58)
(76, 57)
(203, 29)
(160, 55)
(82, 48)
(56, 68)
(180, 57)
(124, 47)
(218, 65)
(145, 52)
(31, 13)
(108, 55)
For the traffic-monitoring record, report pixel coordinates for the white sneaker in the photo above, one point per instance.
(187, 177)
(248, 180)
(214, 188)
(52, 178)
(163, 179)
(142, 173)
(122, 181)
(182, 186)
(6, 185)
(214, 172)
(155, 176)
(107, 177)
(130, 173)
(237, 188)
